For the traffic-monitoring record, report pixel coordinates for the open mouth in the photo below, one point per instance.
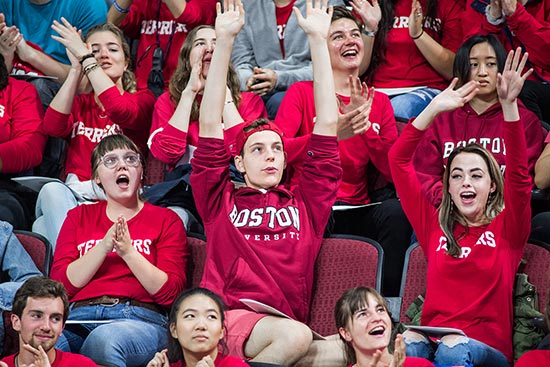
(350, 53)
(123, 180)
(379, 330)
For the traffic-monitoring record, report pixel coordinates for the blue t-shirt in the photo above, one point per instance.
(35, 20)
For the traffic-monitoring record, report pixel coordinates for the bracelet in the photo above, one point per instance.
(87, 56)
(368, 33)
(490, 19)
(420, 35)
(90, 68)
(122, 10)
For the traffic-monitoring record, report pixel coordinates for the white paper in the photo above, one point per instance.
(396, 91)
(434, 331)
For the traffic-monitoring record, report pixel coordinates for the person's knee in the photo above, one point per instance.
(102, 348)
(288, 337)
(418, 346)
(454, 351)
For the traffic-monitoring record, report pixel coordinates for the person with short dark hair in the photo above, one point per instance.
(263, 238)
(196, 330)
(40, 309)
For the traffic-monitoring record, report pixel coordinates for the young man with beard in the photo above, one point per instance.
(40, 309)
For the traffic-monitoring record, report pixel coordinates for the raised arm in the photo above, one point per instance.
(510, 83)
(316, 25)
(228, 24)
(448, 100)
(118, 11)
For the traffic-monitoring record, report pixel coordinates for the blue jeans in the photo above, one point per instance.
(54, 201)
(410, 104)
(272, 101)
(131, 340)
(470, 353)
(18, 265)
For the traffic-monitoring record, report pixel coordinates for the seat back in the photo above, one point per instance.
(195, 266)
(156, 170)
(38, 247)
(537, 267)
(413, 281)
(344, 262)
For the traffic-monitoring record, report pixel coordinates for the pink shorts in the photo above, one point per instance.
(239, 325)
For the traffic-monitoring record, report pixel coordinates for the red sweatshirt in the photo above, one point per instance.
(149, 19)
(157, 234)
(529, 27)
(534, 358)
(296, 117)
(87, 124)
(474, 291)
(170, 144)
(221, 361)
(462, 126)
(263, 245)
(21, 137)
(405, 66)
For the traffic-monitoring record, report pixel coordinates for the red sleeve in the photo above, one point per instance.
(58, 124)
(419, 211)
(198, 12)
(252, 107)
(320, 179)
(382, 133)
(131, 25)
(428, 163)
(171, 258)
(210, 177)
(517, 186)
(166, 142)
(25, 144)
(128, 110)
(66, 252)
(291, 111)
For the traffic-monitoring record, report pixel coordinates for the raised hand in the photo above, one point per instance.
(230, 19)
(317, 19)
(451, 99)
(70, 38)
(371, 14)
(416, 19)
(510, 82)
(160, 360)
(196, 79)
(9, 38)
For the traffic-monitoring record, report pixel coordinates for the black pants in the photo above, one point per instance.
(387, 224)
(540, 227)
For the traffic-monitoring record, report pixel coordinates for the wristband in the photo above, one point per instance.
(368, 33)
(117, 7)
(90, 68)
(490, 19)
(420, 35)
(87, 56)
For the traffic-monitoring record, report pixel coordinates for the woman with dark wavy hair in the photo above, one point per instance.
(196, 329)
(473, 243)
(174, 131)
(410, 43)
(112, 107)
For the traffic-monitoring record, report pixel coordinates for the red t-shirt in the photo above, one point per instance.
(62, 359)
(283, 13)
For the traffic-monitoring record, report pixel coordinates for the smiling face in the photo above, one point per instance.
(484, 69)
(469, 186)
(120, 173)
(198, 327)
(203, 44)
(345, 45)
(41, 322)
(107, 49)
(262, 160)
(369, 328)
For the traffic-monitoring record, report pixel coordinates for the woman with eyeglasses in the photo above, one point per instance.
(121, 260)
(112, 107)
